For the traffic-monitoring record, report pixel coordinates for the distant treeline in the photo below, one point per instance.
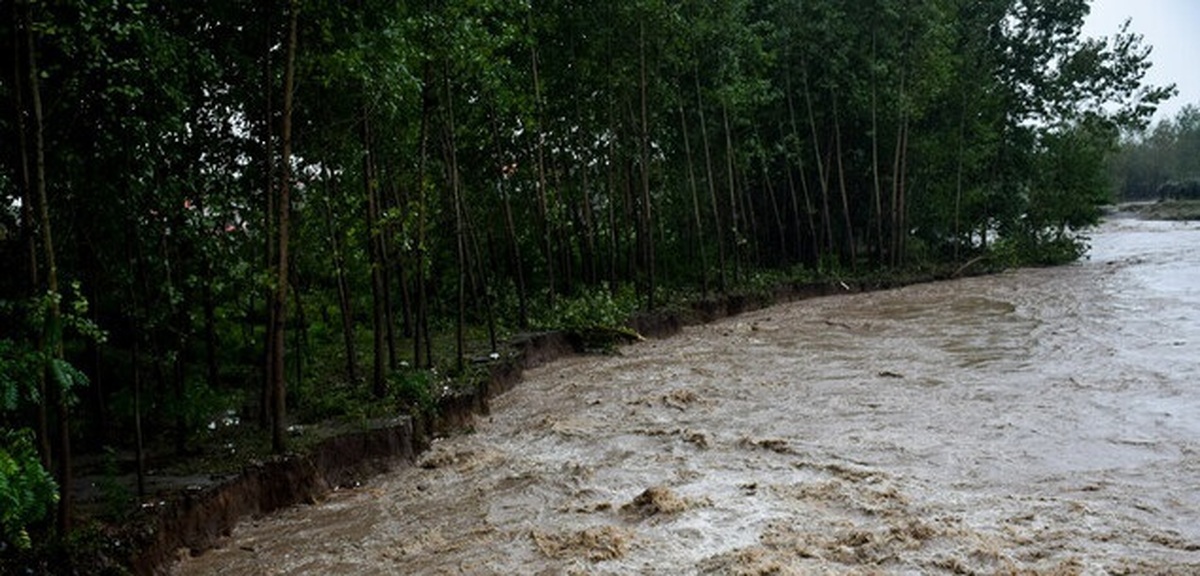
(1163, 162)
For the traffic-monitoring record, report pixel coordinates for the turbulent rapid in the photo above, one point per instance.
(1037, 421)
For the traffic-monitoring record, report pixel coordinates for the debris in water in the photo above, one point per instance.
(660, 500)
(596, 544)
(777, 445)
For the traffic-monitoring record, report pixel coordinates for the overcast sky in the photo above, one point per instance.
(1172, 27)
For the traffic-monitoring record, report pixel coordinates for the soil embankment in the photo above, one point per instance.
(195, 519)
(1034, 422)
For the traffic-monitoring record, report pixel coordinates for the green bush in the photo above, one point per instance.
(595, 307)
(27, 491)
(415, 389)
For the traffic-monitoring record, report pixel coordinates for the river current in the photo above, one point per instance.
(1040, 421)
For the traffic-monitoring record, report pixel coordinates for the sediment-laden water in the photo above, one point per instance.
(1038, 421)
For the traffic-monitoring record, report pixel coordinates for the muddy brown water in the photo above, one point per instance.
(1038, 421)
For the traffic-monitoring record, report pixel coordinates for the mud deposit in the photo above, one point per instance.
(1035, 422)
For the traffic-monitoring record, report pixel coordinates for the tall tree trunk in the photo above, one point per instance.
(269, 213)
(459, 230)
(375, 259)
(139, 285)
(902, 208)
(712, 186)
(896, 184)
(775, 211)
(733, 211)
(60, 397)
(344, 302)
(822, 177)
(510, 231)
(614, 241)
(279, 385)
(851, 249)
(808, 207)
(543, 205)
(958, 172)
(421, 337)
(588, 245)
(697, 221)
(29, 200)
(647, 205)
(877, 190)
(562, 230)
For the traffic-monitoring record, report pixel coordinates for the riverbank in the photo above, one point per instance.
(196, 517)
(1040, 421)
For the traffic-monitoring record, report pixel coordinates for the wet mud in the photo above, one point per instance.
(1040, 421)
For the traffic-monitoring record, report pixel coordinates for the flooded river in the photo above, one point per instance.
(1036, 422)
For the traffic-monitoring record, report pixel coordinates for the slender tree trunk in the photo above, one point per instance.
(561, 232)
(877, 190)
(141, 283)
(733, 211)
(897, 224)
(958, 172)
(459, 230)
(821, 172)
(850, 244)
(590, 256)
(517, 262)
(421, 337)
(279, 386)
(54, 341)
(514, 245)
(30, 200)
(902, 208)
(343, 287)
(712, 186)
(697, 220)
(647, 205)
(543, 207)
(375, 258)
(269, 213)
(485, 278)
(775, 211)
(614, 241)
(808, 207)
(396, 266)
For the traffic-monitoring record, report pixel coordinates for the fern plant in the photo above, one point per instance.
(27, 491)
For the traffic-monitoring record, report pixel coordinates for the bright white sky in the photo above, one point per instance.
(1172, 27)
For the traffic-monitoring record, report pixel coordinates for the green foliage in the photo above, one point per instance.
(200, 405)
(27, 491)
(1038, 250)
(417, 389)
(594, 307)
(19, 365)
